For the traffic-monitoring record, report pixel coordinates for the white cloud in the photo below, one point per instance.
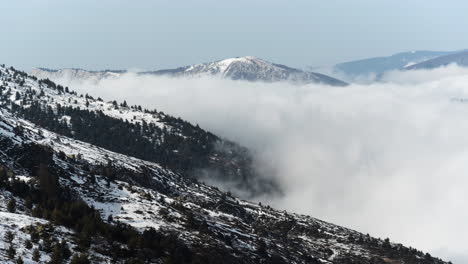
(390, 158)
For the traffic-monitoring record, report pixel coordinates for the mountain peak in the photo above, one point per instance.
(247, 68)
(244, 59)
(223, 66)
(250, 68)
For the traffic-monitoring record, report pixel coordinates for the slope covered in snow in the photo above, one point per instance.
(114, 208)
(79, 74)
(131, 130)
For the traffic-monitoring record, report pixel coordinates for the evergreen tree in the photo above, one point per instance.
(261, 248)
(80, 259)
(11, 206)
(36, 255)
(34, 236)
(56, 257)
(47, 181)
(19, 260)
(11, 252)
(28, 244)
(9, 236)
(28, 202)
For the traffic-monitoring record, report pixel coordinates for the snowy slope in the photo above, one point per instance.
(74, 74)
(166, 208)
(171, 131)
(213, 225)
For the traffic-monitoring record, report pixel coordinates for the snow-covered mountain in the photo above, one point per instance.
(74, 74)
(460, 58)
(251, 69)
(380, 65)
(63, 198)
(241, 68)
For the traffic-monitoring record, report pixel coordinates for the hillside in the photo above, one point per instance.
(64, 198)
(147, 134)
(75, 74)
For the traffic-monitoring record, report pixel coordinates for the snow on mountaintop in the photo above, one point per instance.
(74, 74)
(246, 68)
(250, 68)
(223, 66)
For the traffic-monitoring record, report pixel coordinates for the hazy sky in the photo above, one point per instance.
(154, 34)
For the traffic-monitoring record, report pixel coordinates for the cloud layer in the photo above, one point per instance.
(388, 158)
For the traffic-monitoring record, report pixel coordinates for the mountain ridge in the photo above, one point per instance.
(246, 68)
(459, 58)
(380, 65)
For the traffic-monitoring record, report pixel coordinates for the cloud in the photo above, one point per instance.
(386, 158)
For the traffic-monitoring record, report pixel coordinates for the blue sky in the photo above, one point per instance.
(154, 34)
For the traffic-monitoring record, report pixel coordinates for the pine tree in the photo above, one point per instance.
(11, 252)
(36, 256)
(19, 260)
(11, 206)
(9, 236)
(28, 203)
(47, 244)
(28, 244)
(47, 181)
(56, 257)
(261, 248)
(80, 259)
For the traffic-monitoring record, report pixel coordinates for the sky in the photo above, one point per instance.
(399, 144)
(157, 34)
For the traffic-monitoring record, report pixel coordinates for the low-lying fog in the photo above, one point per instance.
(387, 158)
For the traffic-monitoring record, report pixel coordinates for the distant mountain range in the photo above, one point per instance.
(460, 58)
(379, 65)
(258, 70)
(242, 68)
